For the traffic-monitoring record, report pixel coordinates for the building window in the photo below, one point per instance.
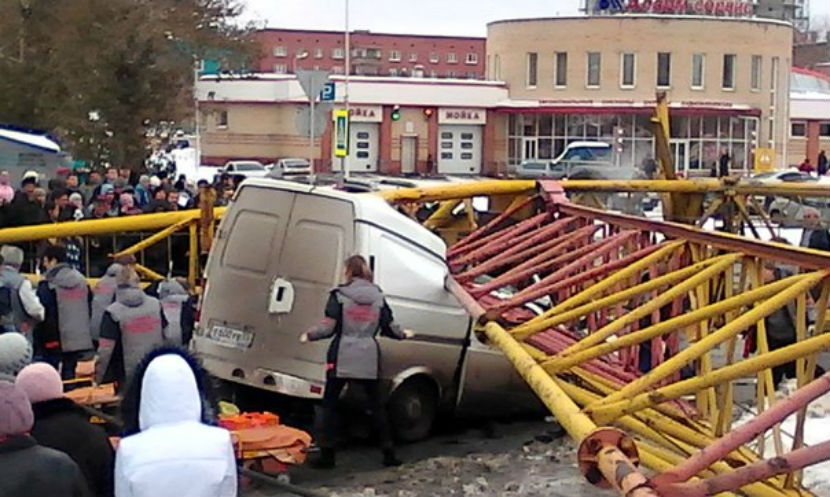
(222, 119)
(451, 74)
(773, 80)
(337, 69)
(532, 59)
(452, 58)
(318, 53)
(279, 68)
(628, 70)
(337, 53)
(413, 57)
(729, 71)
(594, 67)
(756, 72)
(434, 58)
(393, 71)
(280, 51)
(472, 59)
(496, 67)
(798, 129)
(824, 129)
(560, 68)
(663, 69)
(698, 71)
(394, 56)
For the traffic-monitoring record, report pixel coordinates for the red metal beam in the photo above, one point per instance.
(758, 471)
(802, 257)
(482, 230)
(739, 436)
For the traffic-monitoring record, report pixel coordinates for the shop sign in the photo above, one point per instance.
(462, 116)
(764, 159)
(365, 113)
(734, 8)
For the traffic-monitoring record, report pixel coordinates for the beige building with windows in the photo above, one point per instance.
(595, 78)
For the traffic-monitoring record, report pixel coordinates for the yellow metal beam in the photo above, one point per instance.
(459, 191)
(153, 239)
(607, 413)
(559, 364)
(695, 350)
(143, 222)
(606, 283)
(717, 266)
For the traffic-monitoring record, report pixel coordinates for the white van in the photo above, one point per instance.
(280, 249)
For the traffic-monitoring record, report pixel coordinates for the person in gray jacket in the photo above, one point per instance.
(102, 296)
(354, 315)
(132, 326)
(178, 309)
(25, 309)
(64, 335)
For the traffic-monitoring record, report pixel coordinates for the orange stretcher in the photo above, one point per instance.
(261, 441)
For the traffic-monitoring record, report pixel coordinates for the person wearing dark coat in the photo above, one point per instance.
(354, 315)
(24, 209)
(27, 468)
(820, 239)
(64, 335)
(822, 164)
(63, 425)
(723, 164)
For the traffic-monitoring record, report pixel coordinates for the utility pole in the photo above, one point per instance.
(345, 161)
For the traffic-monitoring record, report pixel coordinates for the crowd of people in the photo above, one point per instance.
(138, 337)
(72, 196)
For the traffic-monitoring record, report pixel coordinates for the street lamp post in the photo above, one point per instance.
(345, 162)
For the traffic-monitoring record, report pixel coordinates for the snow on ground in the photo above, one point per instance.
(816, 430)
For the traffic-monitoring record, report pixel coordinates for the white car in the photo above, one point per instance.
(290, 166)
(789, 212)
(245, 168)
(579, 160)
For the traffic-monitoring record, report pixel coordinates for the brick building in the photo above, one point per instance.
(373, 54)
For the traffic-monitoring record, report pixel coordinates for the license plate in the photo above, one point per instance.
(230, 337)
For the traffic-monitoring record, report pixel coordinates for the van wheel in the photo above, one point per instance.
(412, 409)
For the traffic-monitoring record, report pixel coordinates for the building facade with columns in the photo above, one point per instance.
(549, 82)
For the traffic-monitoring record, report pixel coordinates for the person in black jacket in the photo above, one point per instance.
(820, 239)
(26, 468)
(63, 425)
(24, 209)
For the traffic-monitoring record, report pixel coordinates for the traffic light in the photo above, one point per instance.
(396, 113)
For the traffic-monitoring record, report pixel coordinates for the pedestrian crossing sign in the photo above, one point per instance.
(341, 133)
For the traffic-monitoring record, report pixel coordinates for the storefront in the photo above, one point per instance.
(697, 140)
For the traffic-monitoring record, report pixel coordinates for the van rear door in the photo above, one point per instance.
(278, 254)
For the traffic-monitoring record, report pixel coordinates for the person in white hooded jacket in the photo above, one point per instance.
(169, 446)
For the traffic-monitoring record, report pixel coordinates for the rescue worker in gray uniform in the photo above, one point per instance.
(63, 336)
(23, 308)
(132, 326)
(178, 309)
(354, 315)
(102, 296)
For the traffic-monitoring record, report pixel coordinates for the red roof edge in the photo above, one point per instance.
(810, 72)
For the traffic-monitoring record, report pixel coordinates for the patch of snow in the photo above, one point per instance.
(31, 139)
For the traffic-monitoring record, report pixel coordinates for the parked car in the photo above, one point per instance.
(245, 168)
(789, 211)
(783, 175)
(289, 166)
(278, 252)
(579, 160)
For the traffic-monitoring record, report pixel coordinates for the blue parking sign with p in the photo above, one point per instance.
(327, 93)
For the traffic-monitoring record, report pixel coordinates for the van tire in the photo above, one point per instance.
(412, 409)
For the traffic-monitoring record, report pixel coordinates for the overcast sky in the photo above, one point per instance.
(445, 17)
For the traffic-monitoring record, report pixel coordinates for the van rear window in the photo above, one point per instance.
(250, 246)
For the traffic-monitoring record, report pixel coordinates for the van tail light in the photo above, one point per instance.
(316, 389)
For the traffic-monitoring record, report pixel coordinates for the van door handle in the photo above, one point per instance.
(281, 297)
